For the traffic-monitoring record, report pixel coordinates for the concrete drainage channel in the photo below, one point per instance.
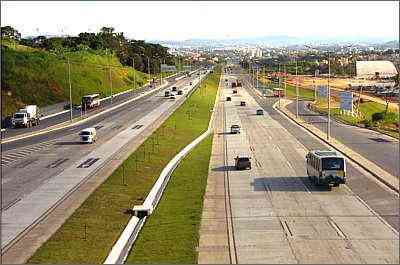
(122, 247)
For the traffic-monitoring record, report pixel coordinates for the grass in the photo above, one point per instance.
(102, 214)
(171, 234)
(33, 76)
(367, 109)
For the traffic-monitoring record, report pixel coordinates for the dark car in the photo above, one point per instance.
(242, 162)
(174, 89)
(242, 103)
(180, 92)
(235, 129)
(172, 97)
(228, 99)
(260, 112)
(190, 83)
(167, 94)
(234, 91)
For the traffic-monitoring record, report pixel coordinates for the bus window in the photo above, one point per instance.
(332, 163)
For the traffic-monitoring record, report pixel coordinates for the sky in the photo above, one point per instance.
(169, 20)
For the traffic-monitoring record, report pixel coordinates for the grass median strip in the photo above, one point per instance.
(171, 234)
(88, 235)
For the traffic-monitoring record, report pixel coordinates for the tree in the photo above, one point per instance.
(10, 32)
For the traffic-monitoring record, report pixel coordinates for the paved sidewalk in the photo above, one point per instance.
(214, 243)
(366, 164)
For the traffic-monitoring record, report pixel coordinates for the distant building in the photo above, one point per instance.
(375, 69)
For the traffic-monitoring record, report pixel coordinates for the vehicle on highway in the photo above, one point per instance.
(242, 103)
(174, 89)
(228, 99)
(260, 112)
(167, 94)
(180, 92)
(242, 162)
(190, 83)
(235, 129)
(172, 97)
(26, 117)
(88, 135)
(277, 92)
(326, 168)
(234, 91)
(90, 101)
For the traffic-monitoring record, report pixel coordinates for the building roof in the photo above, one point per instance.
(369, 69)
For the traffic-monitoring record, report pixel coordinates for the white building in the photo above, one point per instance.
(375, 69)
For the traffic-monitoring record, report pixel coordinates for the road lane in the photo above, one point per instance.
(376, 147)
(36, 166)
(279, 216)
(105, 104)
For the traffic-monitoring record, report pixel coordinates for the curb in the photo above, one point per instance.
(373, 173)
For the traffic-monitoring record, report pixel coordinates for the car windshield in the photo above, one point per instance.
(243, 159)
(332, 163)
(85, 133)
(235, 126)
(19, 115)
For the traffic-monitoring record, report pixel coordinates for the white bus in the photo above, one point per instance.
(326, 168)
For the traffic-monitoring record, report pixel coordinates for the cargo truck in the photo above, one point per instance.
(26, 117)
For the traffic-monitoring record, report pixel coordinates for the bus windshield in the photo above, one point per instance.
(332, 163)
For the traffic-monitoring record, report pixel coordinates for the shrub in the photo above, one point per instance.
(378, 116)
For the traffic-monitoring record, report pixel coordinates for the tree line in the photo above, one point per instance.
(130, 52)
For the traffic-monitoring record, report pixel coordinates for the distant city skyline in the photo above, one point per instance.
(206, 20)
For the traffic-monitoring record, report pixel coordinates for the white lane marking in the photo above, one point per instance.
(372, 210)
(338, 230)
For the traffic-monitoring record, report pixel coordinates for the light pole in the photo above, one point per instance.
(279, 85)
(148, 68)
(328, 134)
(134, 74)
(111, 88)
(70, 89)
(297, 91)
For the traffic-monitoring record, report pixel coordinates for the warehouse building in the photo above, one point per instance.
(375, 69)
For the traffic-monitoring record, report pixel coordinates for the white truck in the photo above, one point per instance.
(26, 117)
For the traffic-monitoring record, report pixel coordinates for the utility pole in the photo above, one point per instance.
(70, 90)
(297, 92)
(148, 68)
(284, 70)
(279, 86)
(134, 73)
(111, 88)
(328, 134)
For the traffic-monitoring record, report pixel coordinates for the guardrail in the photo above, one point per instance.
(121, 248)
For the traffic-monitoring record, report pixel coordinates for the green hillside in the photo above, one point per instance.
(34, 76)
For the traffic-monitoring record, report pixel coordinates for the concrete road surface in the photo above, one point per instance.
(279, 216)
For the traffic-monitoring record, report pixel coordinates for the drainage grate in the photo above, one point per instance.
(380, 140)
(88, 163)
(57, 163)
(137, 126)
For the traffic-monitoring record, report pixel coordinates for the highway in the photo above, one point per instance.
(375, 146)
(277, 215)
(40, 165)
(64, 117)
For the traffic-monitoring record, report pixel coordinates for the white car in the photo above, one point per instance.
(88, 135)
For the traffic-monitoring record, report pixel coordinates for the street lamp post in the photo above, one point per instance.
(70, 90)
(148, 69)
(297, 91)
(328, 134)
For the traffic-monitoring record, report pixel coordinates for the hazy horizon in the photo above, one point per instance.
(174, 21)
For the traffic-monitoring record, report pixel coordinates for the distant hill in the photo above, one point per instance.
(275, 40)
